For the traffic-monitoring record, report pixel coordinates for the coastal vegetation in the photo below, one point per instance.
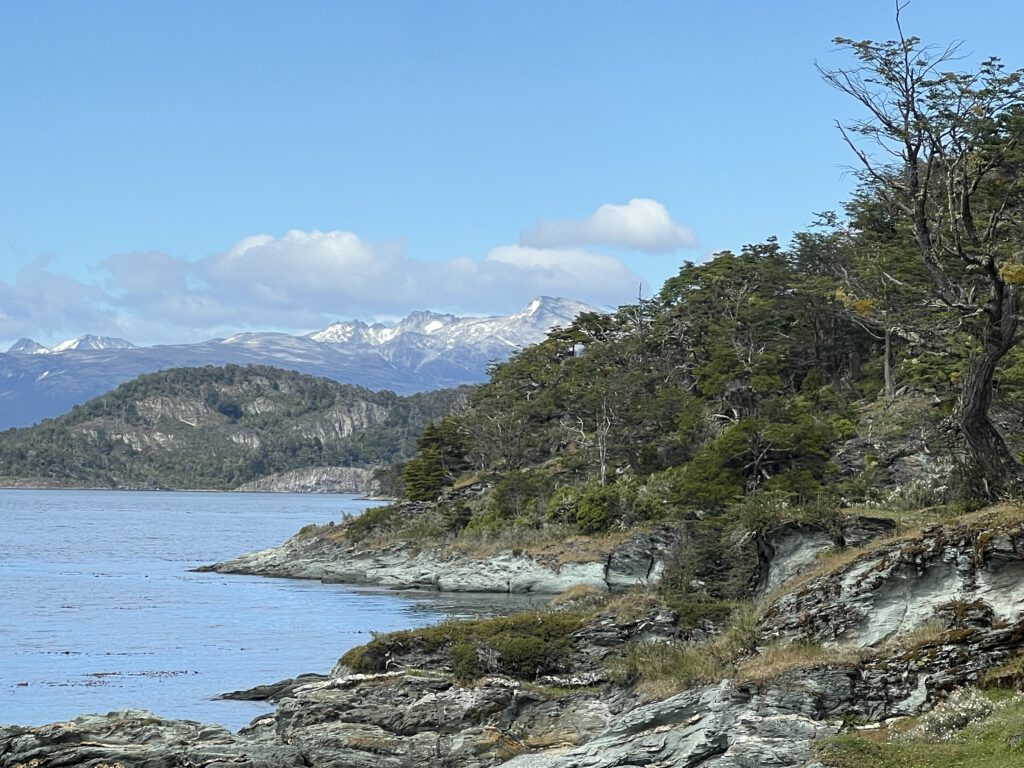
(785, 382)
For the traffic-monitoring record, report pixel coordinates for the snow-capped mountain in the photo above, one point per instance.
(444, 331)
(88, 341)
(25, 346)
(423, 351)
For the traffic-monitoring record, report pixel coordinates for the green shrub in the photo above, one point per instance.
(597, 509)
(525, 645)
(375, 521)
(521, 494)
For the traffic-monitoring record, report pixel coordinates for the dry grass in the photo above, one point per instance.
(776, 660)
(932, 632)
(663, 669)
(906, 520)
(578, 548)
(1007, 675)
(1004, 515)
(519, 539)
(582, 595)
(826, 564)
(554, 546)
(630, 606)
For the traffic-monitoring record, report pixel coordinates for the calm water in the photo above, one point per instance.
(98, 609)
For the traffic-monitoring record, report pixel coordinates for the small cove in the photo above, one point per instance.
(102, 612)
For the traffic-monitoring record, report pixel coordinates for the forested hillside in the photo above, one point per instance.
(776, 382)
(218, 427)
(779, 378)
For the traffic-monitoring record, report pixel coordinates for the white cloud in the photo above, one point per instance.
(302, 280)
(641, 224)
(43, 301)
(559, 269)
(297, 282)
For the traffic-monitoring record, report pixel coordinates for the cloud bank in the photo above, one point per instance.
(640, 224)
(303, 280)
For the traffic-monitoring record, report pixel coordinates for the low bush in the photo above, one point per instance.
(524, 646)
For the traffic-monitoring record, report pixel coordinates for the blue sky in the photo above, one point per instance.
(177, 171)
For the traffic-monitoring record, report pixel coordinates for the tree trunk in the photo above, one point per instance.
(890, 384)
(1001, 471)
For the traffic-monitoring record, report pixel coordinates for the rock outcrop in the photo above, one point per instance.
(898, 587)
(138, 739)
(316, 480)
(327, 556)
(716, 726)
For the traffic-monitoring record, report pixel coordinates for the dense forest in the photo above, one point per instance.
(780, 380)
(750, 382)
(218, 427)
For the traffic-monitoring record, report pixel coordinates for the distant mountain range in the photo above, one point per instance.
(88, 341)
(424, 351)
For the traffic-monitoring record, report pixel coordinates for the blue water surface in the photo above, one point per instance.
(99, 609)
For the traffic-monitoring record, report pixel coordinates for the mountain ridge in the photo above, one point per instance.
(406, 360)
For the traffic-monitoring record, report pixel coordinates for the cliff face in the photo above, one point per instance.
(316, 480)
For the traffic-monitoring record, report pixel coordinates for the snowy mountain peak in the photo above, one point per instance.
(424, 351)
(25, 346)
(547, 306)
(88, 341)
(432, 330)
(425, 322)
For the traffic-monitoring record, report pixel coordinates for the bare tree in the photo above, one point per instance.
(944, 150)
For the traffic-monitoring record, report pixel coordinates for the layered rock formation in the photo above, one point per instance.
(316, 480)
(329, 557)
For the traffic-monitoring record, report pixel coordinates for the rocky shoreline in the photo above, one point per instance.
(325, 556)
(895, 625)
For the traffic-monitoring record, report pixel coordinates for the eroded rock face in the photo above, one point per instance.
(408, 718)
(401, 720)
(717, 726)
(787, 551)
(793, 548)
(901, 586)
(411, 719)
(316, 480)
(637, 561)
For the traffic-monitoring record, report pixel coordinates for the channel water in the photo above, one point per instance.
(99, 608)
